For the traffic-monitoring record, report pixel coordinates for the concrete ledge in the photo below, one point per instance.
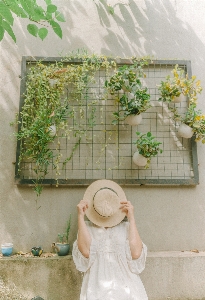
(168, 275)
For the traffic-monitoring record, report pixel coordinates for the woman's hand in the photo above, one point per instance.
(128, 208)
(81, 207)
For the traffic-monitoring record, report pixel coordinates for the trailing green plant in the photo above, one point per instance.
(179, 84)
(147, 146)
(132, 97)
(49, 111)
(63, 237)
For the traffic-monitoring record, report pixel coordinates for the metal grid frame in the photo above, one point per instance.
(181, 159)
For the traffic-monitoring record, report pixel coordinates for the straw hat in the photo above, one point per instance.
(104, 197)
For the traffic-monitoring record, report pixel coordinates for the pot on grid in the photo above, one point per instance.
(185, 131)
(133, 119)
(139, 159)
(52, 82)
(179, 99)
(52, 130)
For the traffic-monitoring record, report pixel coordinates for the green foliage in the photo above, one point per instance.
(194, 118)
(46, 105)
(179, 84)
(135, 98)
(41, 18)
(147, 146)
(65, 236)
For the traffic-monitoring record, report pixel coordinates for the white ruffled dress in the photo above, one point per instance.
(110, 271)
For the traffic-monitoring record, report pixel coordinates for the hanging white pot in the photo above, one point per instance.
(133, 119)
(139, 159)
(179, 98)
(52, 82)
(185, 131)
(52, 130)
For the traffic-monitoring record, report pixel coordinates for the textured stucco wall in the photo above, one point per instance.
(168, 218)
(168, 275)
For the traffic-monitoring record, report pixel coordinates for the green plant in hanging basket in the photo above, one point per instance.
(193, 118)
(179, 84)
(147, 146)
(132, 97)
(133, 103)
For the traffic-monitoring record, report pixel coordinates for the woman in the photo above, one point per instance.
(110, 252)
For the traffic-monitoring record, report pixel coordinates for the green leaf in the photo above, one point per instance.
(32, 29)
(51, 8)
(6, 14)
(56, 28)
(15, 8)
(8, 28)
(149, 134)
(111, 10)
(49, 16)
(28, 6)
(42, 33)
(59, 16)
(38, 14)
(47, 2)
(1, 33)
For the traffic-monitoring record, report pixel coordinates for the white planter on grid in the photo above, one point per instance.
(179, 98)
(139, 159)
(185, 131)
(133, 119)
(52, 82)
(52, 130)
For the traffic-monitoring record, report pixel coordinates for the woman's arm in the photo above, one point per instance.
(135, 241)
(84, 238)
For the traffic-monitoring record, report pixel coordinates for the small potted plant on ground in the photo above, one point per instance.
(192, 123)
(175, 89)
(62, 247)
(147, 147)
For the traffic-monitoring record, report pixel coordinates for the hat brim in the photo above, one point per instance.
(91, 213)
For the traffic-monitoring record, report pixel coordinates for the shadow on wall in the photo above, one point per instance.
(131, 31)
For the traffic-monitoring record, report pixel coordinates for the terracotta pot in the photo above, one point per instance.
(133, 119)
(139, 159)
(185, 131)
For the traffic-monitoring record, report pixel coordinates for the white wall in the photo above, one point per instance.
(168, 218)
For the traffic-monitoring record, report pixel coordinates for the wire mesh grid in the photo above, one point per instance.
(97, 149)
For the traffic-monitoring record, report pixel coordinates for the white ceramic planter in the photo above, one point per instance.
(52, 82)
(133, 119)
(185, 131)
(52, 130)
(139, 159)
(179, 99)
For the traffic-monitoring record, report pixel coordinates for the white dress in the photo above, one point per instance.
(110, 271)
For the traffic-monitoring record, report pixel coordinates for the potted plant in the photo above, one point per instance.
(132, 104)
(175, 89)
(192, 123)
(147, 147)
(7, 249)
(132, 97)
(62, 247)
